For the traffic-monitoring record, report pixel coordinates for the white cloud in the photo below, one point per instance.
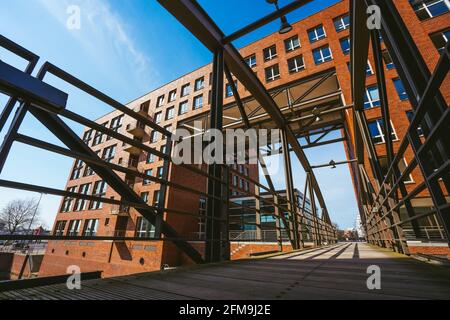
(104, 35)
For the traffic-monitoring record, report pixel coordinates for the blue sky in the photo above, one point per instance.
(127, 48)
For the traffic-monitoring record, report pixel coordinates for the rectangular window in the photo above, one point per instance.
(410, 116)
(170, 113)
(376, 129)
(148, 172)
(160, 101)
(160, 172)
(67, 202)
(388, 60)
(77, 170)
(98, 138)
(156, 197)
(228, 89)
(272, 73)
(74, 228)
(199, 84)
(109, 154)
(99, 191)
(185, 90)
(400, 89)
(296, 64)
(369, 69)
(372, 98)
(144, 196)
(87, 137)
(291, 44)
(316, 34)
(322, 55)
(198, 102)
(183, 108)
(150, 158)
(90, 228)
(154, 136)
(59, 228)
(144, 229)
(270, 53)
(158, 117)
(116, 123)
(251, 60)
(341, 23)
(345, 45)
(426, 9)
(80, 204)
(172, 95)
(440, 39)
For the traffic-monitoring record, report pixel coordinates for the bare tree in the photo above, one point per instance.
(19, 213)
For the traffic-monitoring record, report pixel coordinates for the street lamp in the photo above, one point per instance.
(285, 25)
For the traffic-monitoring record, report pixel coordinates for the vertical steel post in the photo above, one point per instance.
(214, 208)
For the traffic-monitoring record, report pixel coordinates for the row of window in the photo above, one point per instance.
(427, 9)
(82, 170)
(372, 95)
(70, 204)
(199, 84)
(93, 138)
(89, 229)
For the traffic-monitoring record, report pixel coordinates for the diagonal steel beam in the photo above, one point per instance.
(197, 21)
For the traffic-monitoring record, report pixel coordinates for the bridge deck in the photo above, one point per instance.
(335, 272)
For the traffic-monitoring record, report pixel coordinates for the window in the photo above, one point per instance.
(296, 64)
(291, 44)
(160, 101)
(154, 136)
(341, 23)
(99, 191)
(183, 108)
(201, 219)
(80, 204)
(246, 186)
(376, 129)
(426, 9)
(251, 60)
(440, 39)
(87, 137)
(388, 60)
(144, 229)
(170, 113)
(228, 89)
(199, 84)
(410, 116)
(67, 202)
(372, 98)
(168, 128)
(369, 69)
(316, 34)
(345, 45)
(400, 89)
(98, 138)
(116, 123)
(235, 181)
(185, 90)
(160, 172)
(322, 55)
(198, 102)
(150, 158)
(144, 196)
(156, 197)
(401, 166)
(172, 95)
(77, 170)
(270, 53)
(158, 117)
(148, 172)
(90, 228)
(59, 228)
(272, 73)
(109, 153)
(74, 228)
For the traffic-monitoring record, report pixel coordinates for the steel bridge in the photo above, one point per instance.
(380, 203)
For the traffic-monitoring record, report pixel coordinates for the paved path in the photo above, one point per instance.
(335, 272)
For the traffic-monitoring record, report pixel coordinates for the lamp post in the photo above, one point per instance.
(285, 25)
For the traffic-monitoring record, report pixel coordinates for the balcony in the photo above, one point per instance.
(137, 129)
(117, 210)
(135, 151)
(143, 109)
(132, 164)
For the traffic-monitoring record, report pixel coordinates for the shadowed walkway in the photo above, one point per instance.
(335, 272)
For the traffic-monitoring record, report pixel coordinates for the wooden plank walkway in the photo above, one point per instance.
(335, 272)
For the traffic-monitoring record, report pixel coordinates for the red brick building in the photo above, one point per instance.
(317, 45)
